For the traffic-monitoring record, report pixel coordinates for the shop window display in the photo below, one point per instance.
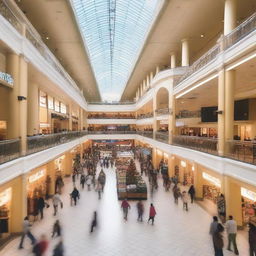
(36, 187)
(211, 192)
(5, 200)
(248, 209)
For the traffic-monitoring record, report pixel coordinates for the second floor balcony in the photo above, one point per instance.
(162, 111)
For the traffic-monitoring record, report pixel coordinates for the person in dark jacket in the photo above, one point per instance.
(82, 180)
(59, 249)
(252, 236)
(94, 221)
(192, 193)
(40, 206)
(218, 240)
(56, 228)
(75, 195)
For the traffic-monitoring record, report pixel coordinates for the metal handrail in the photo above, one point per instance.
(9, 150)
(240, 31)
(188, 114)
(19, 21)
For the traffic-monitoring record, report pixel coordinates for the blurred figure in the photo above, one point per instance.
(41, 205)
(125, 205)
(152, 213)
(192, 193)
(41, 246)
(94, 221)
(185, 200)
(140, 209)
(56, 229)
(102, 179)
(252, 236)
(176, 193)
(82, 180)
(56, 201)
(99, 189)
(89, 181)
(218, 240)
(75, 195)
(26, 231)
(59, 249)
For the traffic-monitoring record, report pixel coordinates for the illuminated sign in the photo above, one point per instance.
(6, 78)
(36, 176)
(159, 152)
(5, 196)
(212, 179)
(183, 163)
(166, 155)
(248, 194)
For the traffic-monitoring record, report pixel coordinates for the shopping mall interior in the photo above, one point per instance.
(133, 103)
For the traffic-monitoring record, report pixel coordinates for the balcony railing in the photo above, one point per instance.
(244, 29)
(148, 134)
(112, 132)
(162, 136)
(143, 116)
(240, 32)
(188, 114)
(198, 143)
(244, 151)
(110, 117)
(162, 111)
(9, 150)
(41, 142)
(19, 21)
(112, 103)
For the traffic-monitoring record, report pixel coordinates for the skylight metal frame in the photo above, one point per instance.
(114, 33)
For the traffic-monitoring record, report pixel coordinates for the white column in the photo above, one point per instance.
(151, 77)
(157, 69)
(147, 86)
(230, 16)
(185, 53)
(144, 85)
(173, 60)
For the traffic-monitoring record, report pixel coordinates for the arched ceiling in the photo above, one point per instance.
(114, 32)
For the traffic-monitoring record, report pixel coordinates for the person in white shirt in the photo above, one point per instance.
(56, 201)
(231, 228)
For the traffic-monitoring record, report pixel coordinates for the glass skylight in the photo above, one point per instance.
(114, 32)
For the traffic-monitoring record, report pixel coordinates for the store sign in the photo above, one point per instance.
(36, 176)
(159, 152)
(50, 102)
(212, 179)
(5, 196)
(6, 78)
(248, 194)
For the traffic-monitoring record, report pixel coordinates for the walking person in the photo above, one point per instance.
(252, 236)
(56, 228)
(192, 193)
(213, 229)
(41, 205)
(140, 209)
(231, 227)
(125, 205)
(41, 246)
(152, 213)
(82, 180)
(89, 181)
(99, 190)
(26, 232)
(74, 178)
(176, 193)
(59, 249)
(56, 201)
(75, 195)
(185, 200)
(94, 221)
(218, 240)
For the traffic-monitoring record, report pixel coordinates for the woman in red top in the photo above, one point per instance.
(125, 205)
(152, 213)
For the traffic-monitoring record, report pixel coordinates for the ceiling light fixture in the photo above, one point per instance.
(202, 35)
(47, 38)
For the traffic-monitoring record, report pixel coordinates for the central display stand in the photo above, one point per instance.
(130, 184)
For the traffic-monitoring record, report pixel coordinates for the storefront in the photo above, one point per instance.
(248, 204)
(5, 205)
(211, 187)
(36, 186)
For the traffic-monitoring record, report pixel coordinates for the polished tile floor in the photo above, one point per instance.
(175, 233)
